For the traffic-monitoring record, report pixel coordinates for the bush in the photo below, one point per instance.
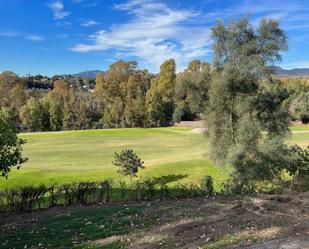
(22, 199)
(83, 191)
(25, 199)
(207, 186)
(106, 186)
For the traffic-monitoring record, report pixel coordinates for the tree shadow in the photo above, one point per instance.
(162, 180)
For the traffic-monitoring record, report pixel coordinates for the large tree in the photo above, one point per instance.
(191, 91)
(120, 95)
(34, 115)
(61, 102)
(244, 100)
(10, 144)
(160, 97)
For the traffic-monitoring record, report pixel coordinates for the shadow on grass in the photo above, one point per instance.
(167, 179)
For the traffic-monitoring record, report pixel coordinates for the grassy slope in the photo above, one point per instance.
(62, 157)
(87, 155)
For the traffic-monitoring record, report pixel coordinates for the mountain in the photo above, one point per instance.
(291, 72)
(88, 74)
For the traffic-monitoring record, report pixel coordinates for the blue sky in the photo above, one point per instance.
(68, 36)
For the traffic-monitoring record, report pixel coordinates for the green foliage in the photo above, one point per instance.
(191, 91)
(10, 144)
(29, 198)
(273, 116)
(244, 101)
(34, 115)
(128, 162)
(207, 186)
(120, 95)
(299, 106)
(160, 103)
(257, 163)
(299, 163)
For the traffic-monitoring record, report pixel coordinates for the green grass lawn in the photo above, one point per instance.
(300, 127)
(62, 157)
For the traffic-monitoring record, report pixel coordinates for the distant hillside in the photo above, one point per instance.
(88, 74)
(291, 72)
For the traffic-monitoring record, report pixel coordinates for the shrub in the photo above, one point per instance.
(22, 199)
(83, 191)
(29, 198)
(54, 195)
(106, 187)
(207, 186)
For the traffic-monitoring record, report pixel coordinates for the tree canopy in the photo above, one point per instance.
(245, 101)
(10, 144)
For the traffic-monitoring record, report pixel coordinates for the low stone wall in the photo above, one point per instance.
(193, 124)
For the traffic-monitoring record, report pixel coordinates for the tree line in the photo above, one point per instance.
(124, 96)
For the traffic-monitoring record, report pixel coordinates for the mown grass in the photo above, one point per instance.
(65, 157)
(300, 138)
(300, 127)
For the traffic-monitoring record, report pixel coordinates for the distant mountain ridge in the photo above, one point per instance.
(296, 72)
(291, 72)
(88, 74)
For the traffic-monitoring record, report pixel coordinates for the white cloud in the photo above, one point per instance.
(63, 36)
(57, 8)
(88, 23)
(86, 3)
(290, 13)
(9, 34)
(34, 38)
(153, 34)
(63, 24)
(91, 4)
(77, 1)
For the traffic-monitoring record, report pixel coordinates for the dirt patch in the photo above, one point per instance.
(262, 222)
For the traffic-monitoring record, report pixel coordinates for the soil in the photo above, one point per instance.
(261, 222)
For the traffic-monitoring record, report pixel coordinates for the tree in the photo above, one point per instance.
(18, 96)
(128, 162)
(34, 115)
(160, 96)
(100, 91)
(299, 106)
(10, 144)
(299, 163)
(7, 82)
(135, 106)
(191, 91)
(61, 102)
(120, 95)
(244, 101)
